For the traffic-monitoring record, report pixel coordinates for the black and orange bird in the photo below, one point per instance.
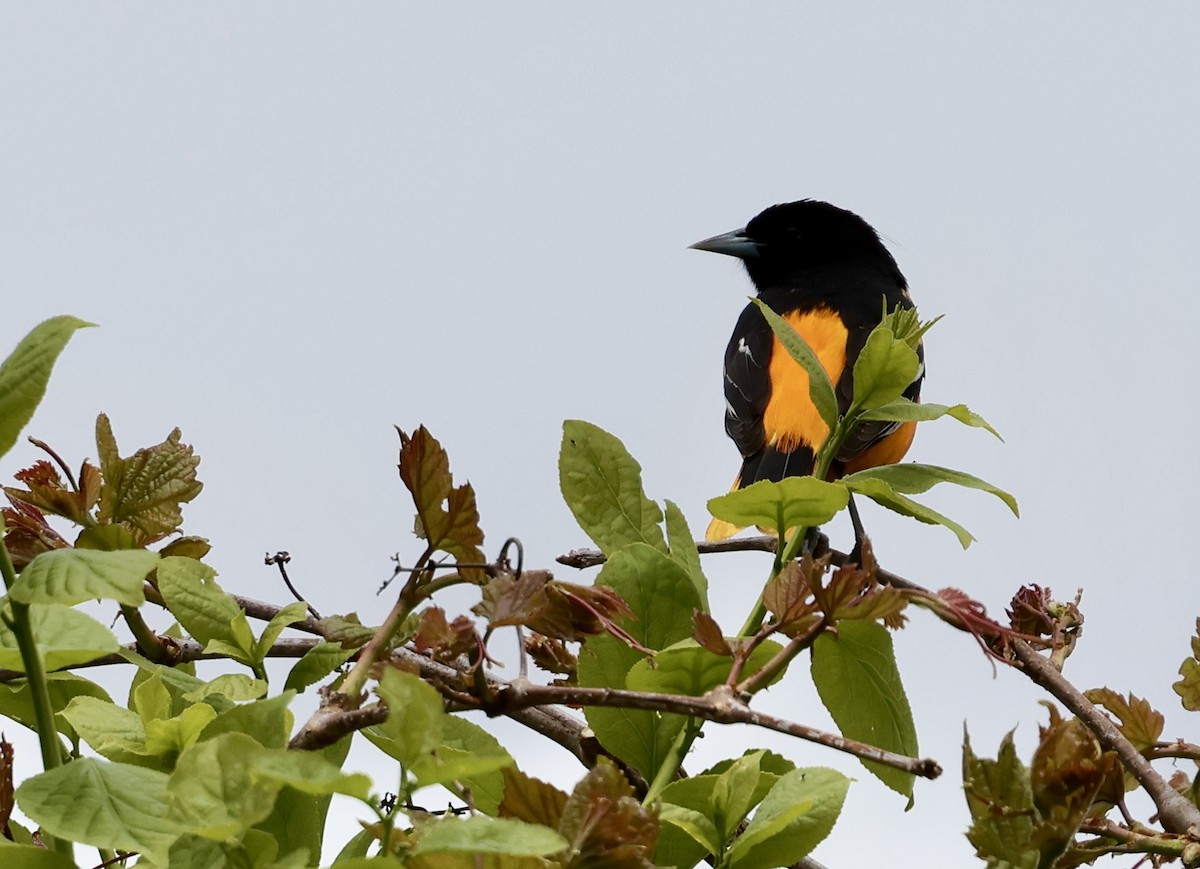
(825, 271)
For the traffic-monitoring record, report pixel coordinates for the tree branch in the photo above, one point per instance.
(1178, 815)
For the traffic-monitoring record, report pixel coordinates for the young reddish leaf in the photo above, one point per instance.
(1028, 611)
(145, 491)
(444, 640)
(562, 610)
(6, 786)
(707, 633)
(446, 516)
(854, 592)
(46, 491)
(589, 610)
(1139, 722)
(1066, 775)
(551, 655)
(606, 825)
(27, 534)
(789, 595)
(511, 601)
(531, 800)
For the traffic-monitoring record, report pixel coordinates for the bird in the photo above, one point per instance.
(827, 273)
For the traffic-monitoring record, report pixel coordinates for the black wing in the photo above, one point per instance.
(747, 381)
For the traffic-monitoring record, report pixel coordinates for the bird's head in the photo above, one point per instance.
(786, 239)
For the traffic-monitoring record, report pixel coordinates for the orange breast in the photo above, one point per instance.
(790, 419)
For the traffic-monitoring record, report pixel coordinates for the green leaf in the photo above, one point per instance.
(481, 834)
(884, 369)
(289, 615)
(150, 698)
(146, 490)
(796, 815)
(1001, 838)
(904, 410)
(733, 793)
(1188, 688)
(820, 389)
(194, 598)
(310, 773)
(71, 576)
(906, 325)
(111, 731)
(317, 663)
(855, 674)
(297, 821)
(793, 502)
(696, 826)
(107, 805)
(883, 494)
(657, 590)
(683, 550)
(167, 737)
(64, 637)
(26, 371)
(17, 704)
(32, 857)
(681, 839)
(232, 686)
(176, 678)
(602, 484)
(685, 668)
(268, 722)
(461, 735)
(415, 718)
(445, 766)
(107, 538)
(214, 791)
(663, 598)
(911, 478)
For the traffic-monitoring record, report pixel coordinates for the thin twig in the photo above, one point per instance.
(720, 704)
(45, 447)
(583, 558)
(280, 559)
(1176, 812)
(1134, 841)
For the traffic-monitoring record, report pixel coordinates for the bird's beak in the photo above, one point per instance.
(735, 243)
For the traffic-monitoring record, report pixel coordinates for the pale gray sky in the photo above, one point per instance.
(300, 224)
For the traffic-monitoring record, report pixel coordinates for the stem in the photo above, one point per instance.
(786, 553)
(35, 676)
(669, 769)
(1176, 812)
(374, 649)
(148, 641)
(781, 660)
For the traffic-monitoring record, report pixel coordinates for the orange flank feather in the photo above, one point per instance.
(791, 420)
